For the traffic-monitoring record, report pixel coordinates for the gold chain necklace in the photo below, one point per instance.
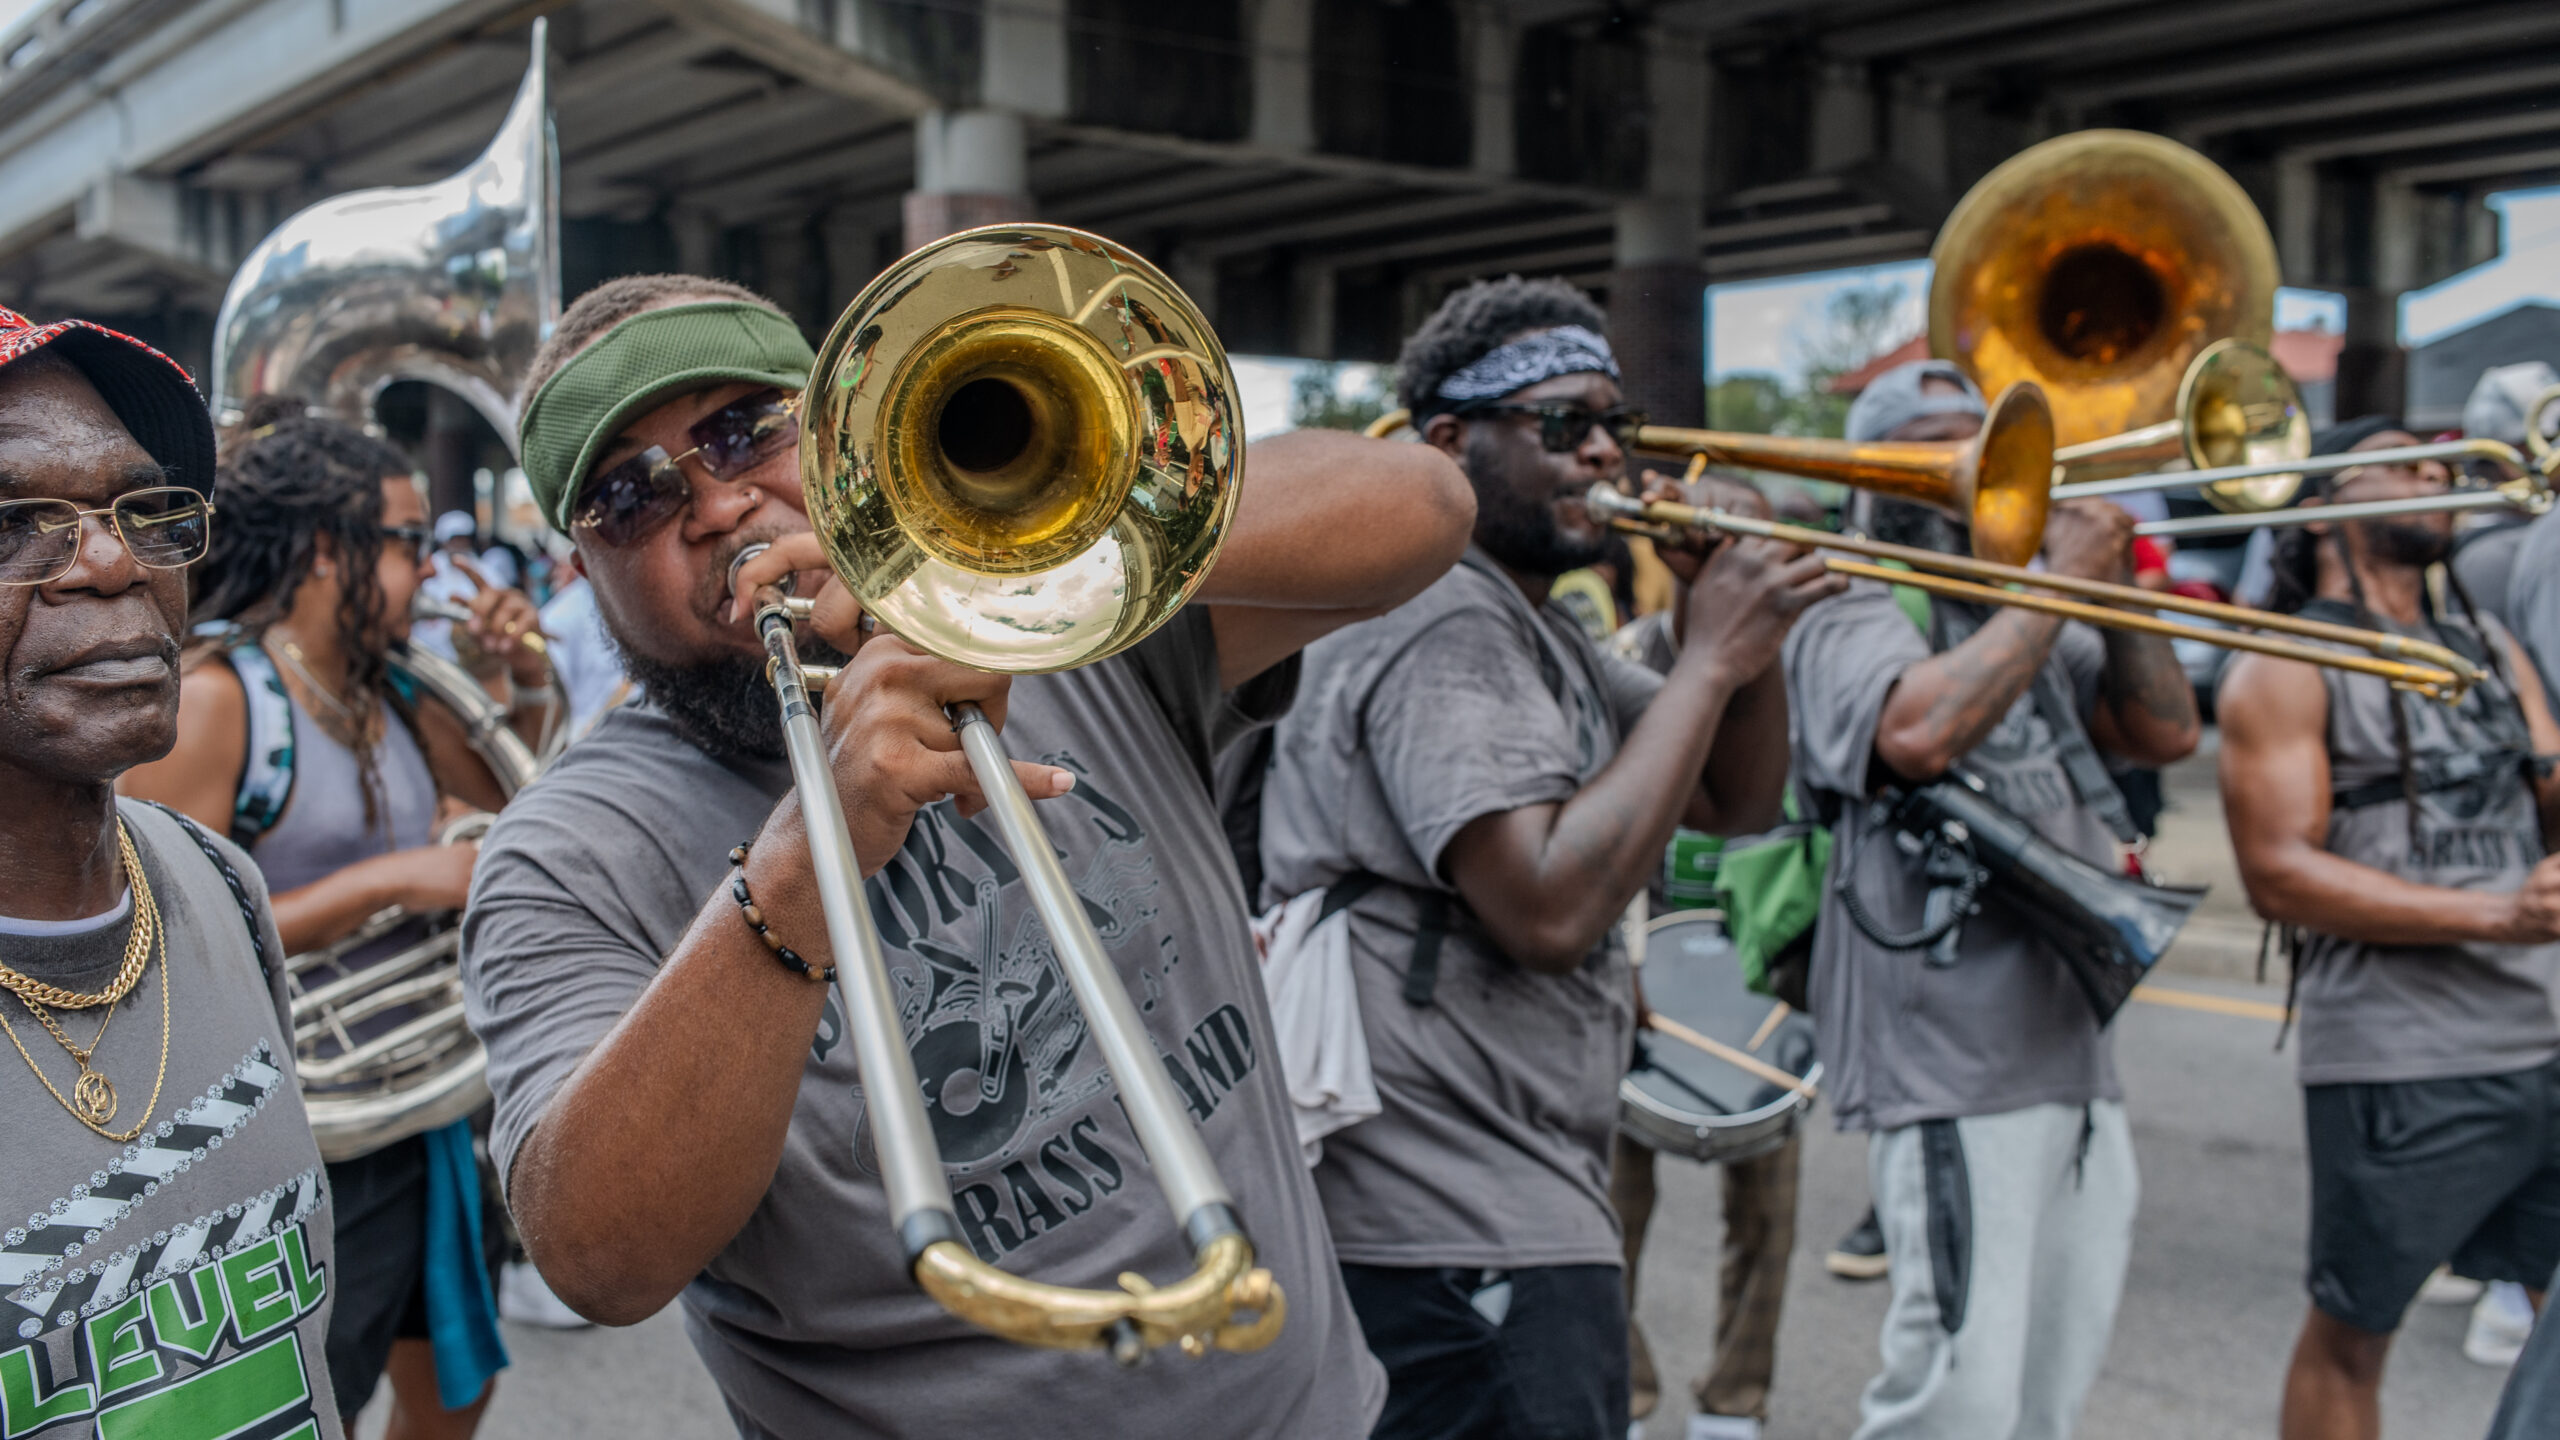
(137, 950)
(93, 1097)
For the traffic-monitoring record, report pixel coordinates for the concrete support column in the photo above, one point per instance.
(453, 451)
(1657, 305)
(2372, 369)
(1284, 85)
(1311, 302)
(1024, 65)
(1492, 39)
(1918, 133)
(971, 169)
(1844, 117)
(697, 237)
(2297, 219)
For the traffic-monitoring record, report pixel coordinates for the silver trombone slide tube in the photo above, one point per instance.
(911, 1172)
(2474, 449)
(1173, 1144)
(2516, 494)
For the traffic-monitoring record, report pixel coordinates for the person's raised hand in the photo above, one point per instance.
(2090, 539)
(2534, 910)
(1687, 555)
(836, 617)
(1746, 599)
(502, 623)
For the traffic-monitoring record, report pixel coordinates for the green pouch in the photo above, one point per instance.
(1689, 867)
(1771, 892)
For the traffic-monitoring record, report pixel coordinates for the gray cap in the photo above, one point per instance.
(1894, 399)
(2495, 410)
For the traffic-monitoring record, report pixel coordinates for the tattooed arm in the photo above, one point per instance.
(1944, 706)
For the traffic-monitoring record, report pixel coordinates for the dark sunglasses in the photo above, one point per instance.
(163, 528)
(624, 503)
(1562, 427)
(418, 538)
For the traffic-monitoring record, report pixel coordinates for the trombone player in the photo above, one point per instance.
(2405, 848)
(677, 1113)
(2002, 1170)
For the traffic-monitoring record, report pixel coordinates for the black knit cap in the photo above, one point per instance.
(151, 393)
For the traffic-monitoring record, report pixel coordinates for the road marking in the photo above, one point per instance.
(2216, 1004)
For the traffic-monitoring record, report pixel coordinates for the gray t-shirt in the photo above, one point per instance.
(2532, 608)
(2425, 1012)
(808, 1319)
(2004, 1027)
(1500, 1095)
(177, 1285)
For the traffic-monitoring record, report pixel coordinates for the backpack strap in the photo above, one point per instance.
(1431, 926)
(266, 769)
(230, 877)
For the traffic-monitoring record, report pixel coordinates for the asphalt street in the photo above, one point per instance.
(2210, 1310)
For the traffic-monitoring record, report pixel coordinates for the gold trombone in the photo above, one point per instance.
(2413, 665)
(1021, 450)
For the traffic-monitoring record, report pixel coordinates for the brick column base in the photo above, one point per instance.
(1657, 323)
(931, 216)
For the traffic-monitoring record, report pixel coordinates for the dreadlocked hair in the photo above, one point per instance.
(1475, 319)
(287, 477)
(2293, 563)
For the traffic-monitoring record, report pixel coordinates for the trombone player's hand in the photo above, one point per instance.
(889, 740)
(1711, 492)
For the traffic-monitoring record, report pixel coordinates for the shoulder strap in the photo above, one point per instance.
(266, 770)
(1550, 669)
(230, 877)
(2080, 763)
(1432, 910)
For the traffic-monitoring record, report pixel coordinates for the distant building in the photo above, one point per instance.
(2442, 371)
(1852, 382)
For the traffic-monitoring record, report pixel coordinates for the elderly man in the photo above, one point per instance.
(2002, 1171)
(677, 1109)
(2405, 845)
(1497, 788)
(174, 1274)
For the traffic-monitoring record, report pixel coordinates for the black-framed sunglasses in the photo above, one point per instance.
(420, 540)
(1564, 425)
(163, 528)
(631, 499)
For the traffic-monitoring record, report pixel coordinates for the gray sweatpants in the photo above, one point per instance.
(2008, 1236)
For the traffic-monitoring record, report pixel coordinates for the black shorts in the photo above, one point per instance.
(2407, 1175)
(1535, 1354)
(380, 1220)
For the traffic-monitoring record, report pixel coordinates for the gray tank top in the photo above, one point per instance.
(323, 828)
(2418, 1012)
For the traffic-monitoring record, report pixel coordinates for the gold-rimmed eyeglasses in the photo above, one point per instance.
(163, 528)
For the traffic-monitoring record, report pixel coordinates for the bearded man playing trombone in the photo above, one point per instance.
(2002, 1170)
(677, 1105)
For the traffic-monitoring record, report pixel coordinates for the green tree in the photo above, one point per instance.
(1327, 395)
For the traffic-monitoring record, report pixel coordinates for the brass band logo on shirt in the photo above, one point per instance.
(998, 1040)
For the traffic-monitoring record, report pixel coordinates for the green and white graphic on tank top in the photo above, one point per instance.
(174, 1287)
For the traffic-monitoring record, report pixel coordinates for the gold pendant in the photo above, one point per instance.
(93, 1098)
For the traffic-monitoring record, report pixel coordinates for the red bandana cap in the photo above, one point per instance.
(151, 393)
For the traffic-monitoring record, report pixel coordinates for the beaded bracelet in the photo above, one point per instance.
(755, 921)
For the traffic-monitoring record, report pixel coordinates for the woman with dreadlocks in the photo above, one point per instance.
(294, 737)
(2404, 847)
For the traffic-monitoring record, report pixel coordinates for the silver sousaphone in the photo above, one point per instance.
(454, 283)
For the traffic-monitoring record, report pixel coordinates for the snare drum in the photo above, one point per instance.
(1684, 1101)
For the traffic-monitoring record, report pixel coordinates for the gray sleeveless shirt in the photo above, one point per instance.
(2422, 1012)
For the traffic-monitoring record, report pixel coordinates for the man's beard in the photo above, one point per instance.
(1901, 522)
(724, 707)
(2402, 543)
(1520, 532)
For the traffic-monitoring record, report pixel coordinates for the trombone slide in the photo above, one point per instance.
(2515, 494)
(2473, 449)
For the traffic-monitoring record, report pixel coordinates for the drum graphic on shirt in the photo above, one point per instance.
(1684, 1101)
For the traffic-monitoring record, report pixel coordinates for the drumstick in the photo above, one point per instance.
(1748, 1064)
(1760, 1037)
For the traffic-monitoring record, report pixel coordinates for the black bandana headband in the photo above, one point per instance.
(1564, 350)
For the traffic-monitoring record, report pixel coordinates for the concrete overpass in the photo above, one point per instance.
(1318, 171)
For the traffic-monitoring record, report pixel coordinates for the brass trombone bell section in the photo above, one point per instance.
(1020, 448)
(2531, 493)
(2236, 406)
(1997, 482)
(2100, 265)
(2412, 665)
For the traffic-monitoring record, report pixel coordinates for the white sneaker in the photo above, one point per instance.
(2500, 1324)
(1723, 1427)
(525, 1299)
(2446, 1288)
